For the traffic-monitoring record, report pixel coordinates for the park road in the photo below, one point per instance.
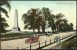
(20, 43)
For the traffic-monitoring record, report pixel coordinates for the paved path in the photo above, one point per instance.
(13, 44)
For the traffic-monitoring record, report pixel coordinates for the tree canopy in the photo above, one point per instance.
(3, 23)
(42, 18)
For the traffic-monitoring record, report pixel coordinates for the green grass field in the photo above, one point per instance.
(70, 44)
(9, 36)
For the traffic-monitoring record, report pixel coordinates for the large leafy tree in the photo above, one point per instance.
(51, 22)
(64, 26)
(32, 19)
(36, 18)
(39, 23)
(71, 26)
(3, 23)
(29, 19)
(46, 14)
(58, 18)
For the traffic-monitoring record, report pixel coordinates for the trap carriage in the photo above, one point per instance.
(32, 39)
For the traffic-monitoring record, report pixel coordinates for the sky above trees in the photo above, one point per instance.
(68, 8)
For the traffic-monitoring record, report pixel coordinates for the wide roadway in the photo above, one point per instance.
(20, 43)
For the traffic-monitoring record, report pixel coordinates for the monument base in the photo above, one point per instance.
(15, 30)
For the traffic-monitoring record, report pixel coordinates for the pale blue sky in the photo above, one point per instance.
(68, 8)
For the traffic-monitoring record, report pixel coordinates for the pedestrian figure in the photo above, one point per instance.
(56, 39)
(34, 35)
(59, 40)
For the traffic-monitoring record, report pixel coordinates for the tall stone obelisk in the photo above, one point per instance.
(16, 28)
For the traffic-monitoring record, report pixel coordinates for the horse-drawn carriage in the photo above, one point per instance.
(48, 33)
(32, 39)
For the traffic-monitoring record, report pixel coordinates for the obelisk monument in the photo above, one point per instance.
(16, 28)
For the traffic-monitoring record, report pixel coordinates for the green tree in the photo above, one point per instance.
(58, 18)
(63, 25)
(3, 23)
(51, 22)
(39, 23)
(32, 19)
(46, 14)
(71, 26)
(29, 19)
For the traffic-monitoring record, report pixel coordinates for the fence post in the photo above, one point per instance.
(68, 35)
(30, 46)
(50, 41)
(45, 42)
(39, 44)
(54, 39)
(64, 37)
(17, 48)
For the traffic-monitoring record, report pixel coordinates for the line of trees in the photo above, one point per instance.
(43, 18)
(37, 19)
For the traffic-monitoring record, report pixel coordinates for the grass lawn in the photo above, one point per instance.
(70, 44)
(10, 36)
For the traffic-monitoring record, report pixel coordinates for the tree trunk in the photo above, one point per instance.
(57, 28)
(33, 30)
(38, 30)
(53, 31)
(43, 28)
